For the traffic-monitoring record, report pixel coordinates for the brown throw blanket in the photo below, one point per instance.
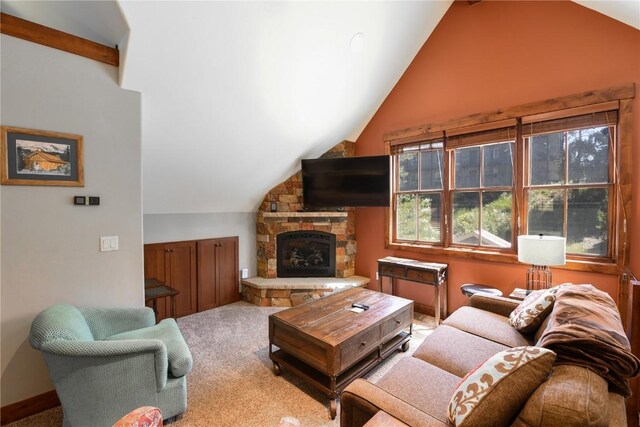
(585, 330)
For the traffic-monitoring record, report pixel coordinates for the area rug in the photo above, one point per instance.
(232, 382)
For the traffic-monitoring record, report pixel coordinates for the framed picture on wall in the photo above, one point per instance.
(35, 157)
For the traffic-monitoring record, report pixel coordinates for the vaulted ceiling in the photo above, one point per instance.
(234, 94)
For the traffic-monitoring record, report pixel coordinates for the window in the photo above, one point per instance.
(570, 181)
(482, 207)
(474, 189)
(419, 192)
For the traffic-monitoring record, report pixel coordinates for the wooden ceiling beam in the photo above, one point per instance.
(36, 33)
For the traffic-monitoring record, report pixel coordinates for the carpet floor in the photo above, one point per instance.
(232, 382)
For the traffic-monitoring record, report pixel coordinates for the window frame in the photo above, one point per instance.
(566, 187)
(482, 188)
(418, 192)
(619, 98)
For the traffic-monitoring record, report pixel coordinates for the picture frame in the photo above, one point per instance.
(36, 157)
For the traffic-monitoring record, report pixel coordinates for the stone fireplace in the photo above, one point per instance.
(281, 216)
(306, 254)
(339, 224)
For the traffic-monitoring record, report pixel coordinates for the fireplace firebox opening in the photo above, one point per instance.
(306, 254)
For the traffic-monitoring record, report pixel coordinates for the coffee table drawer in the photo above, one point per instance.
(359, 346)
(400, 321)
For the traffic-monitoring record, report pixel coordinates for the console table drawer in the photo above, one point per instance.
(359, 346)
(422, 276)
(391, 270)
(397, 323)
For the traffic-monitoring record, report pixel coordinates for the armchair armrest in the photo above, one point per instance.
(112, 350)
(495, 304)
(361, 400)
(105, 322)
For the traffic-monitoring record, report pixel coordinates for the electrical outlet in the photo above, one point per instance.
(245, 273)
(377, 275)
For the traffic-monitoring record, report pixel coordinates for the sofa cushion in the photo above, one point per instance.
(487, 325)
(167, 331)
(456, 351)
(421, 385)
(572, 396)
(493, 394)
(529, 315)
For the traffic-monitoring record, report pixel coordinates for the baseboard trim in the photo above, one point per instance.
(33, 405)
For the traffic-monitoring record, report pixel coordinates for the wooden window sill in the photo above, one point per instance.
(509, 258)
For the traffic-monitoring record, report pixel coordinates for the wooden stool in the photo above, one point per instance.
(470, 289)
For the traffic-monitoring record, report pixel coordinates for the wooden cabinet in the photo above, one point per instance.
(204, 271)
(174, 264)
(217, 272)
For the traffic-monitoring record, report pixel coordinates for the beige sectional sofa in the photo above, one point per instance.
(417, 390)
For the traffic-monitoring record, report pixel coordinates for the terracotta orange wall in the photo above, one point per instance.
(492, 55)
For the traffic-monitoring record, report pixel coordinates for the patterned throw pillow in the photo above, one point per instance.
(493, 393)
(145, 416)
(529, 315)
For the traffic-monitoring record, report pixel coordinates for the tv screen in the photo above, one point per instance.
(346, 182)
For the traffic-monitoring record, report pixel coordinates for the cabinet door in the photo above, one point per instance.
(227, 270)
(156, 266)
(207, 298)
(182, 268)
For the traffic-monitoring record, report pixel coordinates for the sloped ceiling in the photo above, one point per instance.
(627, 11)
(236, 93)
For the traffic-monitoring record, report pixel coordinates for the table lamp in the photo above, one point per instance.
(541, 251)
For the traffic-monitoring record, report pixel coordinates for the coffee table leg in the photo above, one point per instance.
(333, 403)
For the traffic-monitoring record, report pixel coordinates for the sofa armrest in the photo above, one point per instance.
(108, 321)
(495, 304)
(361, 400)
(115, 352)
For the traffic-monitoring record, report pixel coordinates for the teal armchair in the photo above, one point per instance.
(106, 362)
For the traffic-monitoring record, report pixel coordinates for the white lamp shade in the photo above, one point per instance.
(542, 250)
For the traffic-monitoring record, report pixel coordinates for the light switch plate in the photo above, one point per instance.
(109, 243)
(245, 273)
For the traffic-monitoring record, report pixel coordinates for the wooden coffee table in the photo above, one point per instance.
(328, 345)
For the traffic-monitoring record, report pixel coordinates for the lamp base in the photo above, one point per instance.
(538, 277)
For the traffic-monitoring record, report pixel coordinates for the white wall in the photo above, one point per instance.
(175, 227)
(49, 246)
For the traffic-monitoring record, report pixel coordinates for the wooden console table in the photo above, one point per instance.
(428, 273)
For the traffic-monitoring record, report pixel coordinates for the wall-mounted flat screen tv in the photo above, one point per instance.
(346, 182)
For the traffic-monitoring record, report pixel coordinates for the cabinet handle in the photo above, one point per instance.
(397, 322)
(363, 343)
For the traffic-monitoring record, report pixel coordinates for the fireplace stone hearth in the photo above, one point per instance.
(292, 291)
